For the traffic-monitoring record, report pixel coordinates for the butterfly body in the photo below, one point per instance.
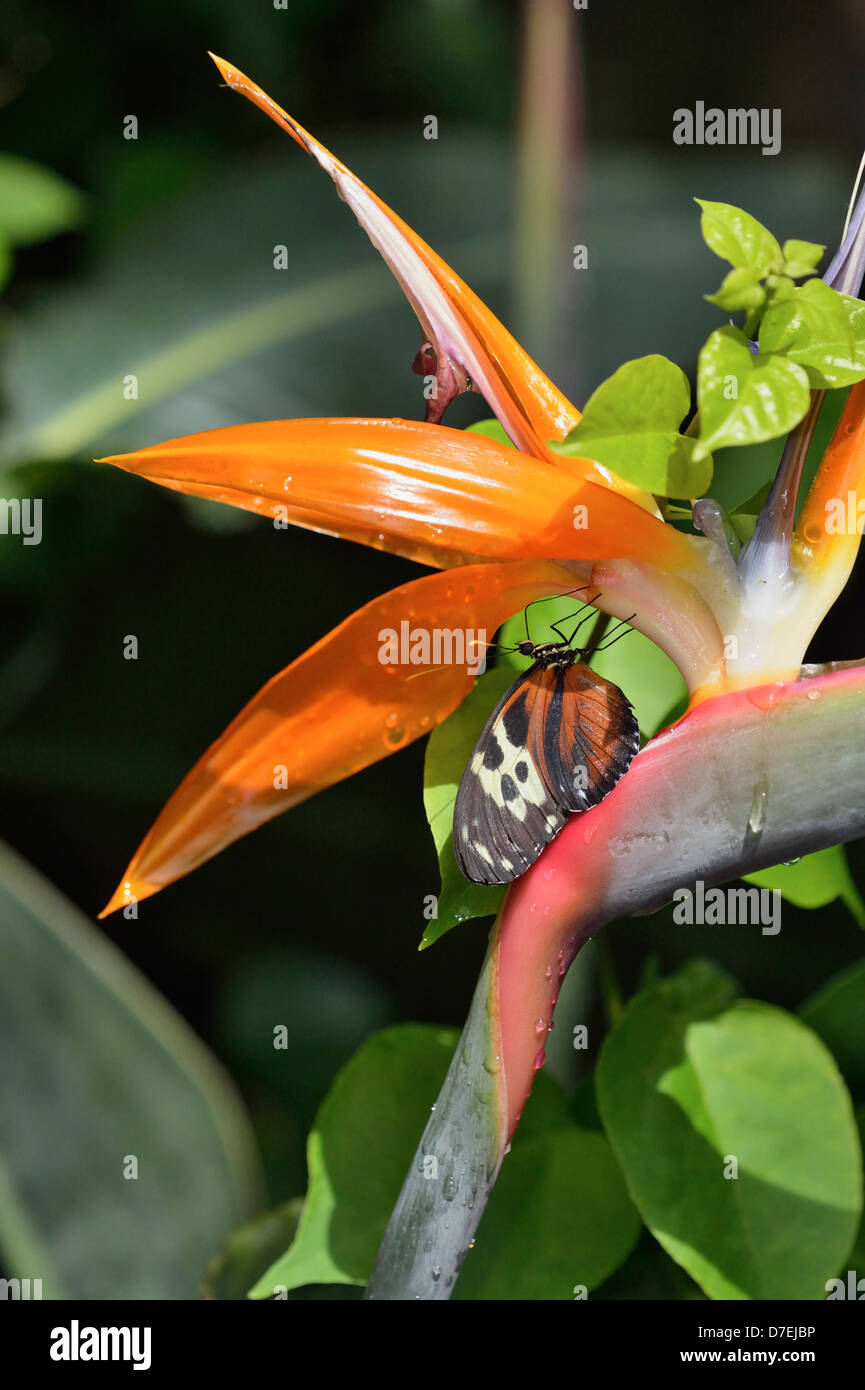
(557, 743)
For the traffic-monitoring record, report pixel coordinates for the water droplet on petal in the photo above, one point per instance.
(759, 808)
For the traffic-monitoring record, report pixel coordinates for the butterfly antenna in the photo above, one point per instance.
(615, 636)
(431, 669)
(548, 599)
(556, 627)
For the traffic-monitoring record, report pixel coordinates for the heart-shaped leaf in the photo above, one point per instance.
(745, 397)
(736, 1136)
(737, 237)
(822, 330)
(631, 425)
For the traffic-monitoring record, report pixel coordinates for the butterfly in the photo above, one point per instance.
(556, 743)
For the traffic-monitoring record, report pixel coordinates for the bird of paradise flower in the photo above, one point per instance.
(498, 523)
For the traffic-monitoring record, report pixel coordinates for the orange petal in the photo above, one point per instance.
(469, 340)
(827, 536)
(437, 495)
(335, 710)
(820, 541)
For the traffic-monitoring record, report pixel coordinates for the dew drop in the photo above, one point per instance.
(759, 808)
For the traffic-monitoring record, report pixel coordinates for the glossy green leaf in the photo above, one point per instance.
(807, 254)
(99, 1071)
(856, 1259)
(690, 1084)
(836, 1013)
(814, 881)
(365, 1135)
(34, 202)
(740, 289)
(560, 1219)
(448, 751)
(821, 330)
(631, 425)
(744, 398)
(780, 287)
(737, 237)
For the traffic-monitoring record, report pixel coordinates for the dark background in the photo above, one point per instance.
(315, 918)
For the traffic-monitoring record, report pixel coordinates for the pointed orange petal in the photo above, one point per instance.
(335, 710)
(835, 493)
(469, 340)
(437, 495)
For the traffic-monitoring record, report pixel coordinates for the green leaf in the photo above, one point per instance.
(743, 518)
(745, 398)
(631, 425)
(34, 202)
(493, 430)
(815, 880)
(856, 1258)
(806, 254)
(690, 1081)
(798, 270)
(835, 1013)
(740, 289)
(364, 1137)
(737, 237)
(559, 1217)
(822, 330)
(98, 1070)
(782, 288)
(448, 750)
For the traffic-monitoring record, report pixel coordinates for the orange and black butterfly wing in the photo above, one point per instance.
(504, 812)
(556, 743)
(588, 738)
